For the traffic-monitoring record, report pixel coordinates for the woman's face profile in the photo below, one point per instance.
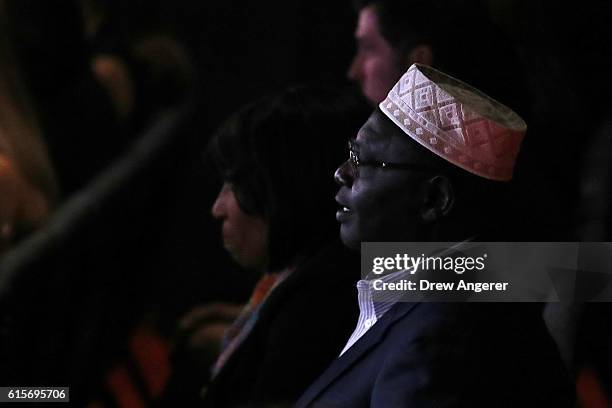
(245, 236)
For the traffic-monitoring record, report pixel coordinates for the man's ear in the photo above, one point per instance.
(439, 199)
(421, 54)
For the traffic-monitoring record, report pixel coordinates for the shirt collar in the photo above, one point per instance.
(385, 300)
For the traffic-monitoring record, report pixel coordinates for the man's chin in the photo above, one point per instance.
(349, 240)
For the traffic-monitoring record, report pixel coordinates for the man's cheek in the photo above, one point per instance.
(364, 203)
(375, 194)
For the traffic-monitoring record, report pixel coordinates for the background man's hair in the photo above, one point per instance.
(405, 24)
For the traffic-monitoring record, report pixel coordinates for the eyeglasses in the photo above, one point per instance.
(356, 162)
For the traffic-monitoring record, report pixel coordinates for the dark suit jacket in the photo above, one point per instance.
(448, 355)
(302, 328)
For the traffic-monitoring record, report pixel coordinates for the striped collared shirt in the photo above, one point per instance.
(370, 310)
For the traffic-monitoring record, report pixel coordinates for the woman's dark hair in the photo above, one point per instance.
(279, 153)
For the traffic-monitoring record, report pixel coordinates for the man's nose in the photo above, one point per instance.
(218, 207)
(344, 175)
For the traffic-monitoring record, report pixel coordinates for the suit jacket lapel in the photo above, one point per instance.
(367, 342)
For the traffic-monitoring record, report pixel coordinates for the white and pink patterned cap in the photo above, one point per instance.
(456, 121)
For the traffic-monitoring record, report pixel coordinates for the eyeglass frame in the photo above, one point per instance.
(355, 162)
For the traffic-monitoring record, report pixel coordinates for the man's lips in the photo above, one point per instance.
(344, 212)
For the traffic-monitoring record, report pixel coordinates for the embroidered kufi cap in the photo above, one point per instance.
(456, 122)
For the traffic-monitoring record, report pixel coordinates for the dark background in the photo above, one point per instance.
(144, 247)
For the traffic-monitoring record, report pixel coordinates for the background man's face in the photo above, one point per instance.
(381, 204)
(377, 65)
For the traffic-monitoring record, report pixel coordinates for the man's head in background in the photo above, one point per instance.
(457, 37)
(377, 63)
(430, 164)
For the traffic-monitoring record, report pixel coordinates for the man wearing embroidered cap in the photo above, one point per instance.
(458, 146)
(431, 164)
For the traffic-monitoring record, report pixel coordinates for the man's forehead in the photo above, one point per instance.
(376, 129)
(379, 134)
(367, 22)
